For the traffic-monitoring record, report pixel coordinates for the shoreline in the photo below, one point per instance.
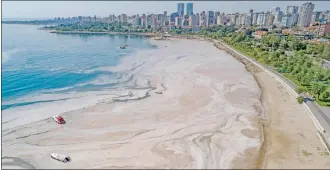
(102, 33)
(264, 126)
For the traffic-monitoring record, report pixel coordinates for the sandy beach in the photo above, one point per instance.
(290, 139)
(186, 104)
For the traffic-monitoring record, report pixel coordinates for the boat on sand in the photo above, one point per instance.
(60, 157)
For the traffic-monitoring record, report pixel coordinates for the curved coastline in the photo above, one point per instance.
(144, 85)
(191, 89)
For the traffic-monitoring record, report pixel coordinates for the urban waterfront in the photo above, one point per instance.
(182, 98)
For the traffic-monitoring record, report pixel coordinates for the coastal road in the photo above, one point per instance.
(318, 113)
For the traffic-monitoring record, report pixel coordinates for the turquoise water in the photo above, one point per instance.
(36, 61)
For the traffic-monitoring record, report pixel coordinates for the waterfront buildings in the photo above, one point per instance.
(292, 15)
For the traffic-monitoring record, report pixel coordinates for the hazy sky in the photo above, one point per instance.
(50, 9)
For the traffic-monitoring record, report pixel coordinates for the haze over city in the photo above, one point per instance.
(50, 9)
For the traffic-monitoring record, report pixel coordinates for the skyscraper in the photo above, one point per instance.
(190, 9)
(276, 9)
(292, 9)
(305, 14)
(173, 15)
(180, 8)
(210, 18)
(251, 16)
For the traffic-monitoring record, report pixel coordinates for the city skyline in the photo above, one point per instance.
(49, 9)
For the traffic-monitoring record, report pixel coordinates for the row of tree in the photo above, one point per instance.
(100, 27)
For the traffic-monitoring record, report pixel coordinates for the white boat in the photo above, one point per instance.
(60, 157)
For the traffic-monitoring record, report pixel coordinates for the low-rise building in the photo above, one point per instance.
(324, 29)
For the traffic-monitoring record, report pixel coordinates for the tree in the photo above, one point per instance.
(326, 53)
(300, 90)
(317, 89)
(300, 99)
(319, 76)
(284, 44)
(290, 68)
(308, 63)
(325, 95)
(306, 80)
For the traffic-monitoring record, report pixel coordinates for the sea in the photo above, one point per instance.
(39, 67)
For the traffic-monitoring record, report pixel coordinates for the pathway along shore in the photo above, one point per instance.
(290, 139)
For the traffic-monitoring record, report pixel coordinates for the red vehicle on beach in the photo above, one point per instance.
(59, 119)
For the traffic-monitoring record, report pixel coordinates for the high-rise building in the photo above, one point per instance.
(181, 9)
(192, 20)
(232, 19)
(165, 13)
(220, 20)
(275, 10)
(197, 18)
(287, 21)
(295, 19)
(263, 19)
(292, 9)
(153, 19)
(190, 9)
(178, 21)
(241, 20)
(305, 14)
(255, 18)
(247, 20)
(316, 16)
(173, 15)
(202, 19)
(210, 18)
(251, 16)
(144, 20)
(123, 18)
(270, 19)
(278, 18)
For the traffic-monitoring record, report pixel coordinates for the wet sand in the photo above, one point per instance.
(206, 116)
(208, 112)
